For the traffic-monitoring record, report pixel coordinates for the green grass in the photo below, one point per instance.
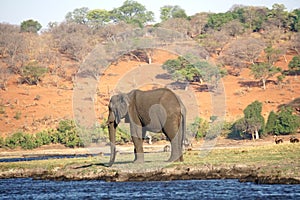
(282, 160)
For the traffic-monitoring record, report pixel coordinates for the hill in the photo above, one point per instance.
(31, 108)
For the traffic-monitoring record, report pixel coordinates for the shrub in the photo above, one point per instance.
(31, 74)
(18, 115)
(199, 128)
(24, 140)
(2, 142)
(122, 136)
(43, 138)
(286, 122)
(68, 134)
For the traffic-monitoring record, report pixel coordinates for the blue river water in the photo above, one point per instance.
(26, 188)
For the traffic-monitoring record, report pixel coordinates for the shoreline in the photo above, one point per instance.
(241, 172)
(261, 164)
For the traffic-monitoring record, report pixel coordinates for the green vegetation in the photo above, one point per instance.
(66, 134)
(32, 74)
(199, 128)
(253, 122)
(201, 71)
(280, 161)
(294, 64)
(282, 123)
(30, 26)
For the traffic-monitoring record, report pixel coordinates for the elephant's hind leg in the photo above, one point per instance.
(176, 144)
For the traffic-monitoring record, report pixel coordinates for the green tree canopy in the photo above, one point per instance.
(253, 122)
(98, 17)
(31, 26)
(167, 12)
(182, 70)
(132, 12)
(285, 122)
(78, 15)
(294, 64)
(264, 71)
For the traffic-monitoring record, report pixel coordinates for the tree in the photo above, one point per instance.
(214, 42)
(198, 22)
(167, 12)
(32, 74)
(294, 64)
(286, 122)
(254, 17)
(233, 28)
(98, 17)
(264, 71)
(30, 26)
(178, 24)
(278, 16)
(271, 123)
(201, 71)
(242, 52)
(217, 20)
(72, 39)
(294, 20)
(132, 12)
(253, 122)
(78, 15)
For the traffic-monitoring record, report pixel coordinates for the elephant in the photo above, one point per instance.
(158, 110)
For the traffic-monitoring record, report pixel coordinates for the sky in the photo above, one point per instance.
(45, 11)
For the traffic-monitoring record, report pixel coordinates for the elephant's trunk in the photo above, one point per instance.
(112, 138)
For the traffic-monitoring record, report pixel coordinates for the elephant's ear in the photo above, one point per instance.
(122, 107)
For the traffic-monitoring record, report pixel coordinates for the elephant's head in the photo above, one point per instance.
(118, 109)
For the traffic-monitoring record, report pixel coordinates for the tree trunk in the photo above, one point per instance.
(264, 83)
(256, 135)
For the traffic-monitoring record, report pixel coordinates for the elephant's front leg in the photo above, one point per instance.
(137, 139)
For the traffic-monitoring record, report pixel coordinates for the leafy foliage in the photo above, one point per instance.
(263, 71)
(167, 12)
(132, 12)
(30, 26)
(32, 74)
(182, 70)
(294, 64)
(285, 122)
(252, 122)
(199, 128)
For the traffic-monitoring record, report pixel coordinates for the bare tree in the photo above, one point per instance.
(13, 46)
(177, 24)
(215, 41)
(198, 22)
(73, 40)
(246, 49)
(233, 28)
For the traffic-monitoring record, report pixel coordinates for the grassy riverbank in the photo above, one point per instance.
(262, 164)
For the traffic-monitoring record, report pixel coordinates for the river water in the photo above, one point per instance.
(26, 188)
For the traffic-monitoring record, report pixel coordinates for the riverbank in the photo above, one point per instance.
(273, 164)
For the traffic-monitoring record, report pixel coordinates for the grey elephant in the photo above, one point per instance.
(158, 110)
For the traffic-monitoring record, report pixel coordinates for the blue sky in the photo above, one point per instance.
(45, 11)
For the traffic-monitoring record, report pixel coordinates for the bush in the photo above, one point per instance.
(68, 134)
(122, 136)
(31, 74)
(26, 141)
(43, 138)
(285, 123)
(2, 142)
(199, 128)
